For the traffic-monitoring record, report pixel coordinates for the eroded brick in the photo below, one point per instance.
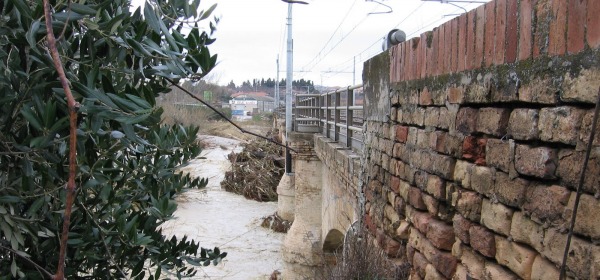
(483, 241)
(523, 124)
(546, 203)
(536, 161)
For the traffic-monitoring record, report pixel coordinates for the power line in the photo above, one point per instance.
(332, 34)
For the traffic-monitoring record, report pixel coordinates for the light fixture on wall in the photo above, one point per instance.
(394, 37)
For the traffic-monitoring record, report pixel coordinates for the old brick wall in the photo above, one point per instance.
(473, 171)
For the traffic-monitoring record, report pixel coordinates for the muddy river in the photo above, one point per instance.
(218, 218)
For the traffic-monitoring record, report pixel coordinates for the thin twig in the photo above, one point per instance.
(563, 267)
(37, 266)
(73, 108)
(226, 118)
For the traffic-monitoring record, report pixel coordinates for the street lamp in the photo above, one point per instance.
(288, 82)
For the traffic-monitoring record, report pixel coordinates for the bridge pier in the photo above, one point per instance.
(285, 197)
(302, 249)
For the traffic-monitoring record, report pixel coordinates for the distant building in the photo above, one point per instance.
(244, 105)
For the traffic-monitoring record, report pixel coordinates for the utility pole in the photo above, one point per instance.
(277, 87)
(288, 83)
(289, 73)
(354, 71)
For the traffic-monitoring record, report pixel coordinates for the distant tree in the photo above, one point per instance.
(116, 63)
(231, 85)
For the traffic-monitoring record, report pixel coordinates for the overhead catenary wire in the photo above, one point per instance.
(332, 34)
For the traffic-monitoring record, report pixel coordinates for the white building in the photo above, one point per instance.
(243, 106)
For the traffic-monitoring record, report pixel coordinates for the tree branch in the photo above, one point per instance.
(227, 119)
(37, 266)
(73, 108)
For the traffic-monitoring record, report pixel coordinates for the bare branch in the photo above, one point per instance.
(37, 266)
(226, 118)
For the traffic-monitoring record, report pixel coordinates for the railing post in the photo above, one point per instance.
(336, 121)
(318, 100)
(349, 115)
(327, 115)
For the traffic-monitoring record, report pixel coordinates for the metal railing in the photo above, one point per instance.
(335, 114)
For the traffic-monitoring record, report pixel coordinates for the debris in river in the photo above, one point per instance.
(255, 171)
(276, 223)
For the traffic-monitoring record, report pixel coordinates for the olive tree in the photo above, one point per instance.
(116, 61)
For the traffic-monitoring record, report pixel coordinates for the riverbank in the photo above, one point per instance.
(217, 218)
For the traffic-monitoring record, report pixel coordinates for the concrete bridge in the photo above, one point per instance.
(323, 196)
(465, 158)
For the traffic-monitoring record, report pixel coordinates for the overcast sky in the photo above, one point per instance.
(328, 35)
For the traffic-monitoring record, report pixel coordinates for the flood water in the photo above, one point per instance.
(218, 218)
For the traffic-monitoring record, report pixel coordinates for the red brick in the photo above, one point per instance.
(421, 221)
(466, 120)
(500, 31)
(473, 149)
(462, 43)
(444, 263)
(482, 240)
(558, 28)
(540, 162)
(440, 234)
(436, 187)
(370, 224)
(525, 29)
(479, 36)
(512, 34)
(447, 46)
(415, 199)
(461, 228)
(419, 262)
(395, 184)
(454, 47)
(409, 60)
(437, 141)
(401, 133)
(441, 52)
(490, 30)
(393, 248)
(455, 95)
(593, 19)
(414, 57)
(576, 28)
(546, 203)
(406, 66)
(425, 97)
(540, 37)
(430, 53)
(423, 56)
(418, 57)
(471, 40)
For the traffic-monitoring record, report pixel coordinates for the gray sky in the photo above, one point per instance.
(328, 35)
